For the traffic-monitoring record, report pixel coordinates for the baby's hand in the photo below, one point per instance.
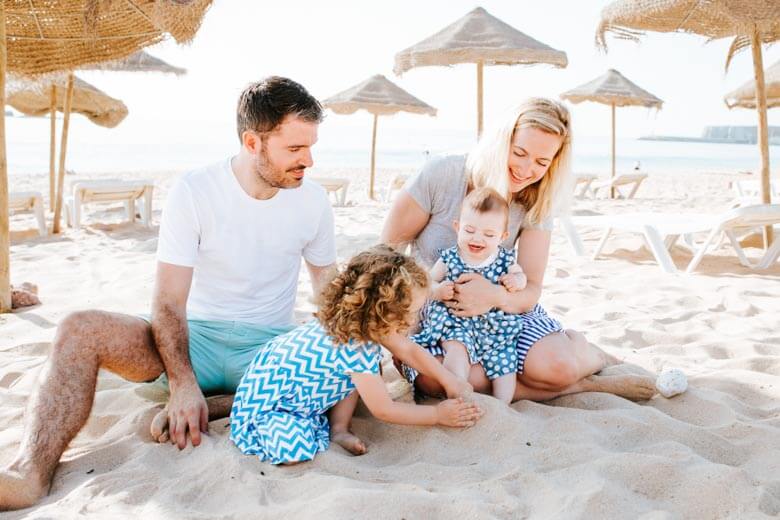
(515, 279)
(444, 291)
(457, 413)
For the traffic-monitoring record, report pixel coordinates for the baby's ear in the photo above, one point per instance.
(504, 235)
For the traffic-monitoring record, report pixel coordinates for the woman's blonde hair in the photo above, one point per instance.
(488, 162)
(371, 296)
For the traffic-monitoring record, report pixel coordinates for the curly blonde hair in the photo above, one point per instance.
(371, 296)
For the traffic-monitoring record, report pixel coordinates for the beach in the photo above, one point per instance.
(712, 452)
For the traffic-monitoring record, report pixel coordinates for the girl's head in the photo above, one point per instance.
(379, 292)
(482, 224)
(527, 156)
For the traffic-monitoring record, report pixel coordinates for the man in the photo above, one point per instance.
(231, 241)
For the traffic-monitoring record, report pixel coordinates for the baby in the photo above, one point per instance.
(489, 339)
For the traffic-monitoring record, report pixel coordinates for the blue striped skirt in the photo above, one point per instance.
(536, 325)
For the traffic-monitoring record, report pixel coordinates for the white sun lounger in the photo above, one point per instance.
(337, 187)
(107, 191)
(751, 189)
(396, 184)
(630, 181)
(32, 201)
(582, 183)
(661, 231)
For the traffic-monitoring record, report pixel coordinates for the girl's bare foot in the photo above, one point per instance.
(349, 441)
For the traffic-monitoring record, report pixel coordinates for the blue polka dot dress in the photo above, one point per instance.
(490, 338)
(279, 409)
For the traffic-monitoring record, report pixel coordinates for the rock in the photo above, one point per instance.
(671, 382)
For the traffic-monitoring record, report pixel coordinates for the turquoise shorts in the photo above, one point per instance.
(220, 351)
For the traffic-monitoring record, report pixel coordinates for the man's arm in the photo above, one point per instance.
(320, 275)
(187, 409)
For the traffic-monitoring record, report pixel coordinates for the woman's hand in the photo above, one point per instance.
(457, 413)
(475, 295)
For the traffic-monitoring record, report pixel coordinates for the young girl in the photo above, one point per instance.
(491, 338)
(279, 409)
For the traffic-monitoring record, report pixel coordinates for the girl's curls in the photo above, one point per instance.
(370, 298)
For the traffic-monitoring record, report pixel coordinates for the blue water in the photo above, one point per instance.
(157, 148)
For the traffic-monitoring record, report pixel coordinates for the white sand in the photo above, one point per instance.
(713, 452)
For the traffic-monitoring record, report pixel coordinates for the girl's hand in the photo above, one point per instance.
(457, 413)
(444, 291)
(458, 387)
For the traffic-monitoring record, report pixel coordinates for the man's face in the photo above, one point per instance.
(286, 152)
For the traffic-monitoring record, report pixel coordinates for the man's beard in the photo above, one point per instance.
(272, 175)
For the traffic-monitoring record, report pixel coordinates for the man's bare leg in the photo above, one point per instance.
(340, 419)
(219, 408)
(60, 405)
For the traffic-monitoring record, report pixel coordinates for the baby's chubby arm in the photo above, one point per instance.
(515, 279)
(441, 290)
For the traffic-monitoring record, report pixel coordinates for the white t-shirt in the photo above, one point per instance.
(246, 253)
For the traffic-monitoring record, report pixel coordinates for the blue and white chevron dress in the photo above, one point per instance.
(489, 338)
(279, 409)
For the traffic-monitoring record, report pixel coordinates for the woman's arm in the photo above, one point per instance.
(452, 412)
(475, 295)
(418, 358)
(404, 222)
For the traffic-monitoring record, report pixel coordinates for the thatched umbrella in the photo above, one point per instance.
(745, 96)
(140, 61)
(749, 22)
(39, 98)
(478, 38)
(45, 36)
(615, 90)
(378, 96)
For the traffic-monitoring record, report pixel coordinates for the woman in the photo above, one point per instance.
(528, 159)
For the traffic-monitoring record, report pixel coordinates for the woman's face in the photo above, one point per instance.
(530, 154)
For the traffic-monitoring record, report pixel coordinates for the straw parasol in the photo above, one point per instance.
(482, 39)
(749, 22)
(39, 98)
(615, 90)
(745, 96)
(380, 97)
(40, 37)
(140, 61)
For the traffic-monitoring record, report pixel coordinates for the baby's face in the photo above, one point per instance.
(480, 234)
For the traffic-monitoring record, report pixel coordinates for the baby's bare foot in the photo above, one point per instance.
(348, 441)
(629, 386)
(159, 427)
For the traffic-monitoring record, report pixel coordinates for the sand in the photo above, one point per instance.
(712, 452)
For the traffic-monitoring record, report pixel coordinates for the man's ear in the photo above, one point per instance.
(251, 141)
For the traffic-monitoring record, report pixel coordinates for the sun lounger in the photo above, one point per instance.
(582, 183)
(629, 181)
(662, 231)
(338, 187)
(396, 184)
(751, 189)
(107, 191)
(32, 201)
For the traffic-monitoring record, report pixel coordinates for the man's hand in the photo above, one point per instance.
(474, 295)
(187, 412)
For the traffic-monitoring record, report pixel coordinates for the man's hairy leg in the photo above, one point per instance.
(61, 403)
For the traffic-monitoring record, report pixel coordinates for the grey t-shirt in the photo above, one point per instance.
(439, 188)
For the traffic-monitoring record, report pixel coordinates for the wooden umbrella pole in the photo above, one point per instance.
(480, 69)
(763, 137)
(373, 158)
(612, 189)
(63, 150)
(5, 239)
(52, 144)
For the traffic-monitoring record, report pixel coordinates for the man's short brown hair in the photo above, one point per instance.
(263, 105)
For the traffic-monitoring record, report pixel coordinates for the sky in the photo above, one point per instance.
(331, 46)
